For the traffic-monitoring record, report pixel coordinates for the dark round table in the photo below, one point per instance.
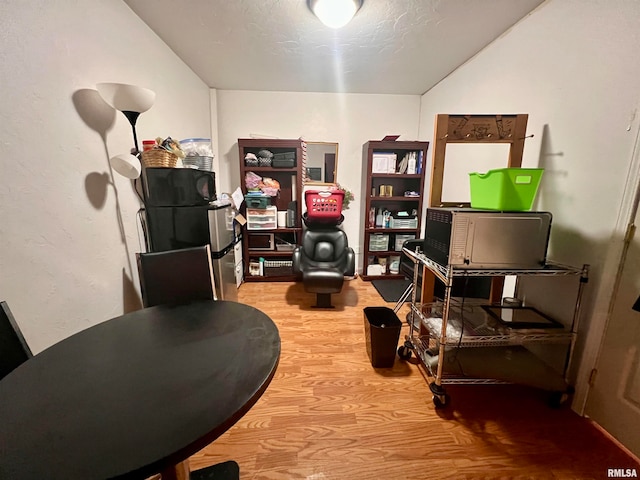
(135, 395)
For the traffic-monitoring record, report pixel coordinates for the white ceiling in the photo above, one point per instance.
(390, 47)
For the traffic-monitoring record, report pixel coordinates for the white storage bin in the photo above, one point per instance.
(379, 242)
(400, 239)
(262, 218)
(403, 222)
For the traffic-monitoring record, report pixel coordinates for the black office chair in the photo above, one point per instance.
(181, 276)
(176, 276)
(322, 260)
(14, 350)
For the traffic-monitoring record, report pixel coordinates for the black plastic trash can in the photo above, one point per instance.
(382, 331)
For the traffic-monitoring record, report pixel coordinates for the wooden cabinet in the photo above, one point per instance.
(273, 244)
(386, 189)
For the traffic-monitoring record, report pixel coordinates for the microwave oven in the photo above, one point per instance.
(261, 241)
(470, 238)
(178, 187)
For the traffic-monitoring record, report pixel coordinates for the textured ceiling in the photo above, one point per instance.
(390, 47)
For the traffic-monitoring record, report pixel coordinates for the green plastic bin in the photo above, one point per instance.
(505, 188)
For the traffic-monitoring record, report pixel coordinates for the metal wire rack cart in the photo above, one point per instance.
(463, 341)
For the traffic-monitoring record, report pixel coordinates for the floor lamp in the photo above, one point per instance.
(131, 100)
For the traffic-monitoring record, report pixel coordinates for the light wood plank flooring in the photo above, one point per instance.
(329, 415)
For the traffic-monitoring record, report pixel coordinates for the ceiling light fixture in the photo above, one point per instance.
(335, 13)
(131, 100)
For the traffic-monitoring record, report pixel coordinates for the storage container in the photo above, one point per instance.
(159, 157)
(265, 157)
(278, 267)
(379, 242)
(382, 331)
(199, 162)
(511, 189)
(324, 205)
(400, 239)
(284, 160)
(403, 222)
(148, 145)
(250, 160)
(394, 264)
(257, 201)
(199, 153)
(262, 218)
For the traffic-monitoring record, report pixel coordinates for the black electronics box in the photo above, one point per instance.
(284, 160)
(472, 238)
(178, 187)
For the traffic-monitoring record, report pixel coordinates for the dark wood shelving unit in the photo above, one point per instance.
(290, 190)
(400, 183)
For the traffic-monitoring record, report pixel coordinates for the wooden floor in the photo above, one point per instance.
(329, 415)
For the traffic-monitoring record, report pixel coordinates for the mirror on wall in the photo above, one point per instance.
(322, 163)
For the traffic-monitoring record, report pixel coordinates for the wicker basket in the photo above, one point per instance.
(159, 157)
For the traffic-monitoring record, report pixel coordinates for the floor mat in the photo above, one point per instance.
(391, 289)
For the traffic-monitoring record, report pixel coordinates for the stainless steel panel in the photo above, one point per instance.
(502, 239)
(224, 271)
(221, 228)
(508, 240)
(470, 238)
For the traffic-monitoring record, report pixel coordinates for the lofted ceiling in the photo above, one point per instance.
(390, 47)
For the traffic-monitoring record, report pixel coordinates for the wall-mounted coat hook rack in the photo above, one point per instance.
(510, 128)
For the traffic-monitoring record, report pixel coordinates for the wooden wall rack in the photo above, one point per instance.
(496, 128)
(510, 129)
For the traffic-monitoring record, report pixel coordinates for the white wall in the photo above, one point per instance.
(68, 235)
(572, 66)
(348, 119)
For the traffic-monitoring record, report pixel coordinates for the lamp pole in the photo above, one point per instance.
(133, 117)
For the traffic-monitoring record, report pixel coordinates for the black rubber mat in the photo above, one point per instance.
(391, 289)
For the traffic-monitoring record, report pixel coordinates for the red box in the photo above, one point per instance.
(324, 204)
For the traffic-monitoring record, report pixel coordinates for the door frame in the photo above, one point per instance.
(611, 272)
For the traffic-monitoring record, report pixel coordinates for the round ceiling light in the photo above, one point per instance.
(335, 13)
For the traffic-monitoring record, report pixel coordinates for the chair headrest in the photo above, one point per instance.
(324, 245)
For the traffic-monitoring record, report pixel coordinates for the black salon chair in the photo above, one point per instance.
(322, 260)
(14, 350)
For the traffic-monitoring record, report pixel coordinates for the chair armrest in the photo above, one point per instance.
(350, 269)
(296, 261)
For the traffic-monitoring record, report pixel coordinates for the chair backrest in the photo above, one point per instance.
(176, 276)
(324, 245)
(13, 348)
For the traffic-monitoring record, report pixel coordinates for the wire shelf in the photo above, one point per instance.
(446, 273)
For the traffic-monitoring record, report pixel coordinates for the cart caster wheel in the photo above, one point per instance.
(404, 352)
(440, 401)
